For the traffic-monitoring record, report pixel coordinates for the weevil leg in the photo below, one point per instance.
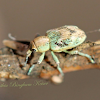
(39, 61)
(57, 62)
(28, 54)
(80, 53)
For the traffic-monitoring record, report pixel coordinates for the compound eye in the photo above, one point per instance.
(34, 50)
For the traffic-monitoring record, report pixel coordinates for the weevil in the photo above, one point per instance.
(58, 40)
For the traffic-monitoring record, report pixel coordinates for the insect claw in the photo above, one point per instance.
(60, 70)
(93, 61)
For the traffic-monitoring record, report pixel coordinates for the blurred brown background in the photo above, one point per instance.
(25, 18)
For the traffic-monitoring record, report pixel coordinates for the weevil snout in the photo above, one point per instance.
(32, 47)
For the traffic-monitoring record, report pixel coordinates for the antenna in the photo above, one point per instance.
(97, 30)
(11, 37)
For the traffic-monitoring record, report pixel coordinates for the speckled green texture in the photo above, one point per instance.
(65, 37)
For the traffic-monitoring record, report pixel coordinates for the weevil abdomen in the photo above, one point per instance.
(65, 37)
(41, 43)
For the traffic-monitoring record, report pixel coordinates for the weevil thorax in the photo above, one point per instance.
(40, 44)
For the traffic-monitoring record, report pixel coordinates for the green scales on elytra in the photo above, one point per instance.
(65, 37)
(58, 40)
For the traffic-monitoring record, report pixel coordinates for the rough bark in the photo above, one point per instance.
(12, 59)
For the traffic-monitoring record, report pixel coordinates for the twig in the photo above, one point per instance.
(11, 65)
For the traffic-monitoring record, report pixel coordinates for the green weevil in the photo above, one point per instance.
(58, 40)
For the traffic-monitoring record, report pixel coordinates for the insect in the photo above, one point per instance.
(58, 40)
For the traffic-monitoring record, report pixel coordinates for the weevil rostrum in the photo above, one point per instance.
(58, 40)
